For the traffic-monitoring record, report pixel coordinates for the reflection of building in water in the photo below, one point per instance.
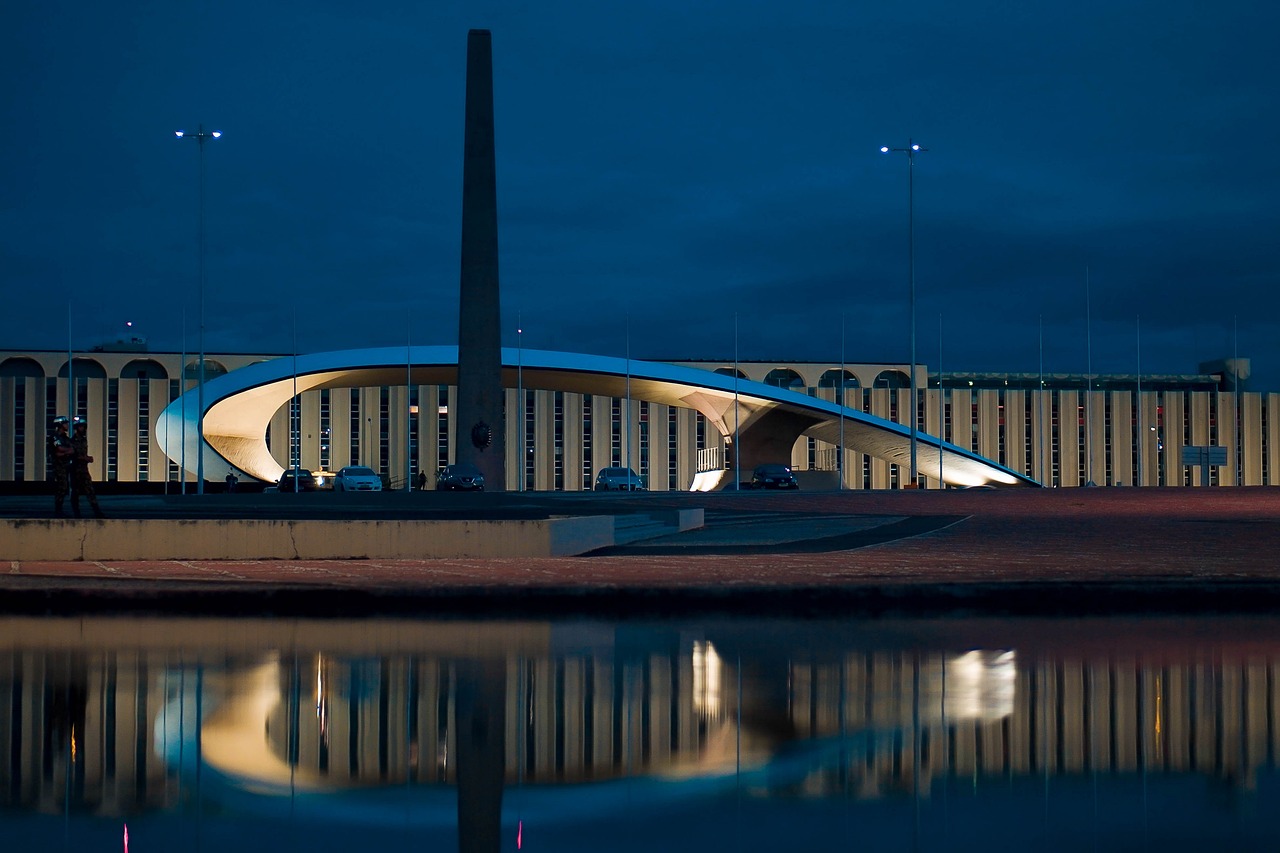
(118, 729)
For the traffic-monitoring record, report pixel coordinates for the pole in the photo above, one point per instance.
(737, 456)
(1235, 385)
(911, 261)
(626, 416)
(520, 396)
(910, 151)
(71, 371)
(840, 449)
(1043, 430)
(942, 484)
(1088, 338)
(408, 405)
(200, 137)
(182, 390)
(295, 410)
(1142, 441)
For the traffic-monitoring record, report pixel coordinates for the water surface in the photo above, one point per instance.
(712, 734)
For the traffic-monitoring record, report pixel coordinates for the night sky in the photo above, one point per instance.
(662, 168)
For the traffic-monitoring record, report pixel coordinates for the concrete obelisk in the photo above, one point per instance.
(481, 427)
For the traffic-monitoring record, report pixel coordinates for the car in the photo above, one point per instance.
(460, 477)
(619, 480)
(306, 481)
(357, 478)
(773, 476)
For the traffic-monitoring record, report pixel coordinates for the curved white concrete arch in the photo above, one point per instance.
(240, 404)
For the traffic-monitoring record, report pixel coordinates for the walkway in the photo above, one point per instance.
(1023, 550)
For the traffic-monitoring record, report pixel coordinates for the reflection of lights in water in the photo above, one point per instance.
(981, 685)
(322, 701)
(1159, 696)
(707, 670)
(73, 742)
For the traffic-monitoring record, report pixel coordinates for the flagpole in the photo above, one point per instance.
(840, 449)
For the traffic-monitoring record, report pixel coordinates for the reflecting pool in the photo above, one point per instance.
(167, 734)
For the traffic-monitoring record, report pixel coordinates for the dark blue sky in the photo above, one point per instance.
(661, 166)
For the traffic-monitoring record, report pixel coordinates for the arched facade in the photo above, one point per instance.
(1064, 436)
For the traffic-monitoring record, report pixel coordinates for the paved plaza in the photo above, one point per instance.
(1017, 550)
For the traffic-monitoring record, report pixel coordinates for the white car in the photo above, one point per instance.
(357, 478)
(618, 480)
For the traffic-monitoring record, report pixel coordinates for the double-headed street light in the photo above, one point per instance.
(200, 136)
(910, 151)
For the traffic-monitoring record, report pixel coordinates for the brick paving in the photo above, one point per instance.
(1012, 548)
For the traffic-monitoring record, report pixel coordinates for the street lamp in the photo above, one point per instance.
(200, 136)
(910, 151)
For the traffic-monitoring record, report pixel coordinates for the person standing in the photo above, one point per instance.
(81, 480)
(61, 451)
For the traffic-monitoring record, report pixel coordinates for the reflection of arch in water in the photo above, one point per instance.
(843, 690)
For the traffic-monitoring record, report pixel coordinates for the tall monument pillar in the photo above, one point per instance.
(481, 426)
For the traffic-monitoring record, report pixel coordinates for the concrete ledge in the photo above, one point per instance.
(690, 519)
(254, 539)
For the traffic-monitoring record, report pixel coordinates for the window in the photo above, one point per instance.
(324, 430)
(587, 407)
(144, 428)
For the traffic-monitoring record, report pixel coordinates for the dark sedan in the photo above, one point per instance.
(773, 477)
(460, 477)
(305, 481)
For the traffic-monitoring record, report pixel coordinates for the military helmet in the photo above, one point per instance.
(61, 420)
(80, 422)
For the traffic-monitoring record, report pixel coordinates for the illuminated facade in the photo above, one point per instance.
(1106, 430)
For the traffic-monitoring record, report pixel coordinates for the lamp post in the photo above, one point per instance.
(520, 399)
(910, 151)
(200, 136)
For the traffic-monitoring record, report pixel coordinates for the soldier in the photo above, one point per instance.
(61, 450)
(81, 481)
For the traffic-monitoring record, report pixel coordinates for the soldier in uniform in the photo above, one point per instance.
(81, 481)
(61, 450)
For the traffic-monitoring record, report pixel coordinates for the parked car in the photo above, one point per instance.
(618, 480)
(460, 477)
(357, 478)
(306, 481)
(773, 477)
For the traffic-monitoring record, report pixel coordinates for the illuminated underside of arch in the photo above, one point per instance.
(240, 405)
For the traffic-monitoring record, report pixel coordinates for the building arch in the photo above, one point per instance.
(212, 370)
(21, 368)
(85, 368)
(892, 379)
(784, 377)
(239, 406)
(144, 368)
(838, 378)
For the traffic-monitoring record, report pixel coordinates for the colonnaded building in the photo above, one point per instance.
(1059, 430)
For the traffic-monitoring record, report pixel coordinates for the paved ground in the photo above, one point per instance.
(1022, 550)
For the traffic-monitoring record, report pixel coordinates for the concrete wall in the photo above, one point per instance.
(248, 539)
